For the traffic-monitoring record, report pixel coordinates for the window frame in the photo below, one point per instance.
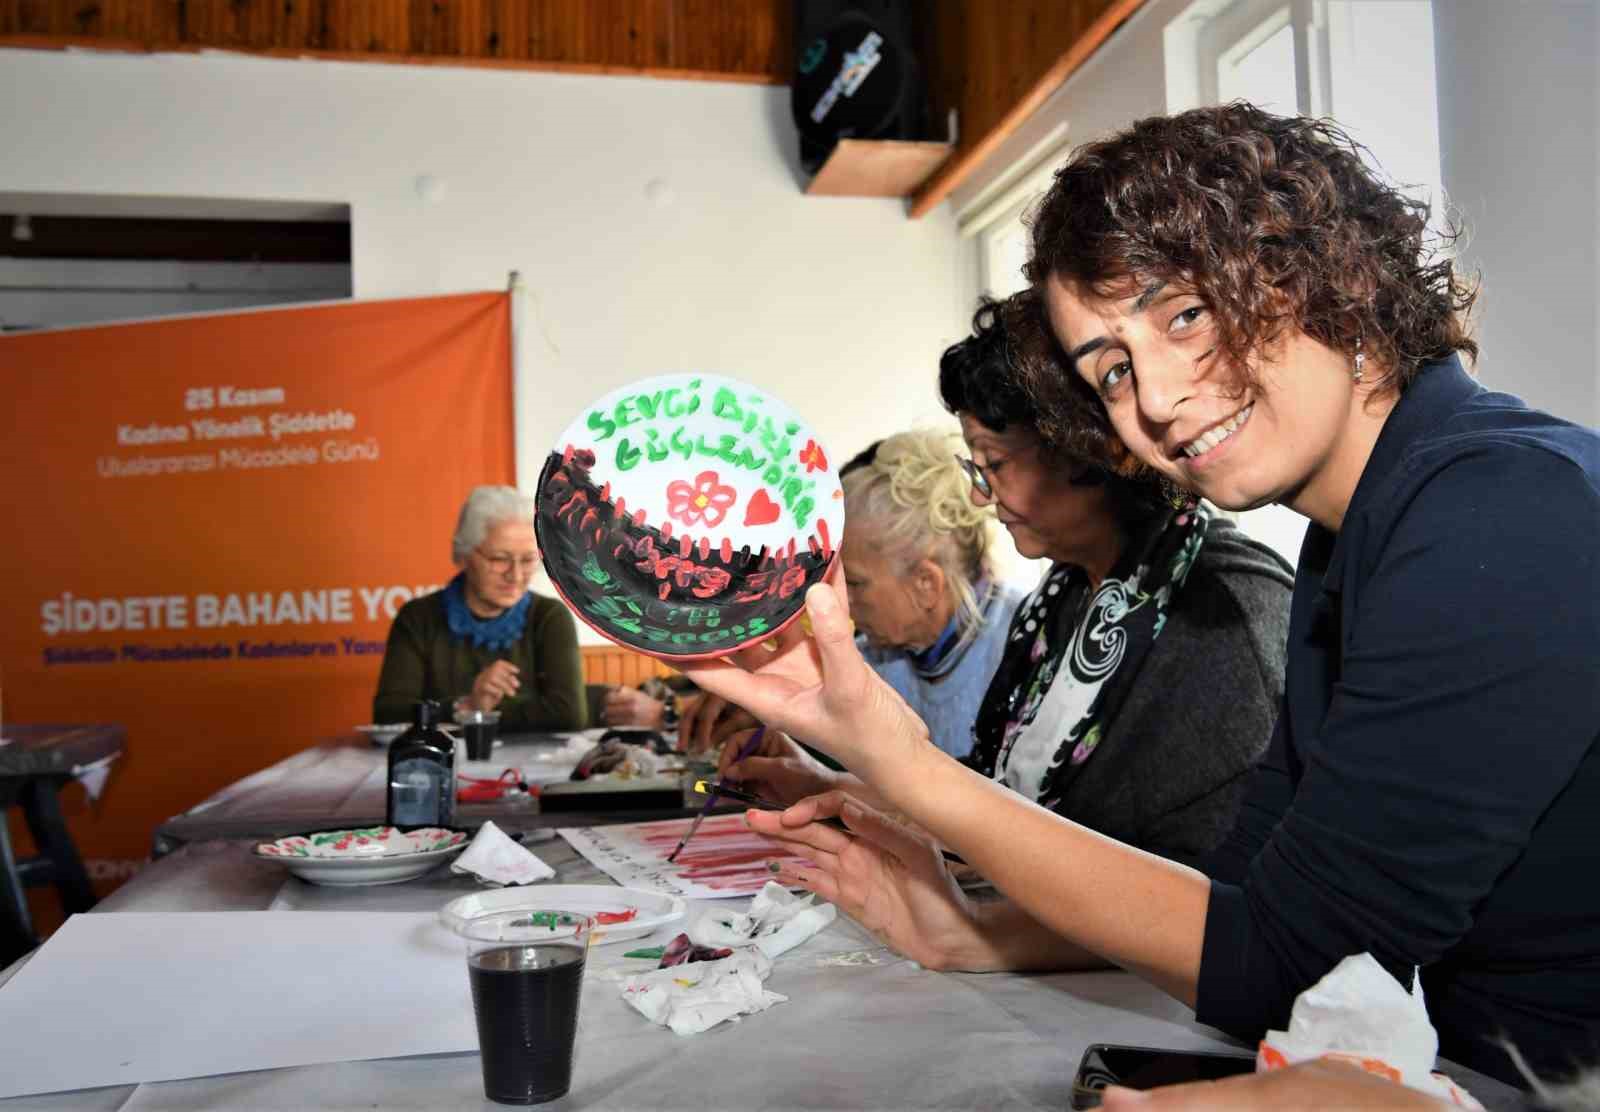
(1232, 31)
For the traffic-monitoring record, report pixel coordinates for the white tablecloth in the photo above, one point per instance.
(883, 1033)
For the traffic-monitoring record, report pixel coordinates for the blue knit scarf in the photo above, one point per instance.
(494, 634)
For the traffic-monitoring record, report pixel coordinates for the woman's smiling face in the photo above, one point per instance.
(1278, 434)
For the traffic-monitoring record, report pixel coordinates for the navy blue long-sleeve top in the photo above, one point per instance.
(1432, 791)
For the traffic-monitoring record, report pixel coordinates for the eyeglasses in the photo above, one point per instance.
(502, 562)
(980, 481)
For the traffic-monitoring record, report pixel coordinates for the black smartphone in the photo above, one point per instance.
(1148, 1067)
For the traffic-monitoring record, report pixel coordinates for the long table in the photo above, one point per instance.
(342, 782)
(863, 1028)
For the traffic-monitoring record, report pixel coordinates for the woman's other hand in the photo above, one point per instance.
(500, 680)
(1307, 1087)
(778, 770)
(819, 688)
(708, 722)
(884, 876)
(628, 706)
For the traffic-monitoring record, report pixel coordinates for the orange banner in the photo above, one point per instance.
(212, 521)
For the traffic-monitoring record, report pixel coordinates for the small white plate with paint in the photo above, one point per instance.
(367, 856)
(650, 910)
(383, 734)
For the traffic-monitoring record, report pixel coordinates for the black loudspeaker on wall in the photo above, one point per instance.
(855, 75)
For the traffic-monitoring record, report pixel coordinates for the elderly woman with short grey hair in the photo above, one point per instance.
(485, 637)
(917, 555)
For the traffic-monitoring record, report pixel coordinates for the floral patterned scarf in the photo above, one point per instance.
(1072, 657)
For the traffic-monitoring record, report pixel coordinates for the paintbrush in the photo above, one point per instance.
(745, 750)
(760, 804)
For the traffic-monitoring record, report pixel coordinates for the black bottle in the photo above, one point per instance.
(422, 774)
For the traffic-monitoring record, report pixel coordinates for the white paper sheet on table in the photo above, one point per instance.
(135, 997)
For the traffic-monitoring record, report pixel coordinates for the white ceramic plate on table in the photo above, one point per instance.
(652, 910)
(365, 856)
(383, 735)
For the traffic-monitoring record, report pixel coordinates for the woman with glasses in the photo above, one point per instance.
(486, 637)
(1137, 685)
(1141, 677)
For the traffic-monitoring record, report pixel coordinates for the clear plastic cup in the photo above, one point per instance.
(526, 969)
(479, 728)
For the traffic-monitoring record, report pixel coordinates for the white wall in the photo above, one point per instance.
(658, 225)
(1519, 109)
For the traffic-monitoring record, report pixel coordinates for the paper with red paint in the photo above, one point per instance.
(725, 857)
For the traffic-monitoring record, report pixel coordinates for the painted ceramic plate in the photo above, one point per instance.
(685, 515)
(364, 856)
(650, 910)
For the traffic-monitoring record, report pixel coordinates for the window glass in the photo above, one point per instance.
(1261, 71)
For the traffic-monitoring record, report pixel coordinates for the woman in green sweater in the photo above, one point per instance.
(486, 637)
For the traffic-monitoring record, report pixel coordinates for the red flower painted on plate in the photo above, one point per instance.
(705, 503)
(811, 455)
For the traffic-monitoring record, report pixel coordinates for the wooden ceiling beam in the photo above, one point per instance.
(994, 61)
(714, 40)
(997, 63)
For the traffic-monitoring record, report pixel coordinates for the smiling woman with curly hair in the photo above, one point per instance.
(1259, 319)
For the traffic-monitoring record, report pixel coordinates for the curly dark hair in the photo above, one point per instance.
(993, 375)
(976, 374)
(1273, 221)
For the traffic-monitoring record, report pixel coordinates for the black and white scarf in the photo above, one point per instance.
(1071, 658)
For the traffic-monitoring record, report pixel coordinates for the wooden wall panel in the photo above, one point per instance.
(996, 63)
(731, 40)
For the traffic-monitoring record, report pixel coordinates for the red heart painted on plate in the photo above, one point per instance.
(760, 510)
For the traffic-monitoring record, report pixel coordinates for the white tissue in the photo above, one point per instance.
(776, 923)
(697, 995)
(692, 997)
(495, 859)
(1360, 1014)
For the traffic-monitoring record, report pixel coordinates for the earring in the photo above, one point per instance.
(1361, 360)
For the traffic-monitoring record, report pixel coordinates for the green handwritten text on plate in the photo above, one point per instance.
(651, 426)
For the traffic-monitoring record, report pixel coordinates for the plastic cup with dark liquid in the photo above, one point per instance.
(479, 728)
(526, 969)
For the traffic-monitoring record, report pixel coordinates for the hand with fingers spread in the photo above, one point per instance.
(708, 723)
(499, 680)
(819, 688)
(888, 878)
(1309, 1087)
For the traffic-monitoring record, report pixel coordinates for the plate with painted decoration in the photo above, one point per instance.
(685, 515)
